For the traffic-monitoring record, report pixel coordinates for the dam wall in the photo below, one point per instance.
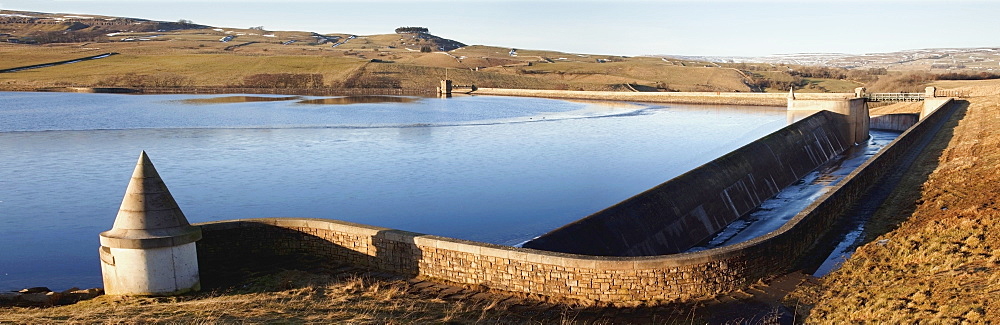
(711, 98)
(680, 213)
(853, 114)
(234, 248)
(894, 122)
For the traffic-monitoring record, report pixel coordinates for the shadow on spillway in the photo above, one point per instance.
(859, 227)
(778, 210)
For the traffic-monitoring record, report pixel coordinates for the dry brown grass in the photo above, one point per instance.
(285, 297)
(938, 261)
(198, 56)
(897, 108)
(299, 297)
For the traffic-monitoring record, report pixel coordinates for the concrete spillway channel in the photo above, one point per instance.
(776, 211)
(691, 208)
(741, 196)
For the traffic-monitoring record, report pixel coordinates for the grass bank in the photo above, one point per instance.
(319, 296)
(931, 248)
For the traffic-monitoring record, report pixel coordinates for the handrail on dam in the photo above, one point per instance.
(895, 97)
(230, 246)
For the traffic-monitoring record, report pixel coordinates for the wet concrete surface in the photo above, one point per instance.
(775, 212)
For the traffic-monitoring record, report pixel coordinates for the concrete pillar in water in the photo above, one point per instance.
(150, 250)
(445, 87)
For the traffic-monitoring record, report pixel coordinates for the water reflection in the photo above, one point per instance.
(415, 133)
(358, 100)
(237, 99)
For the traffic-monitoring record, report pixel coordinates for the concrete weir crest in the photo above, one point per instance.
(150, 250)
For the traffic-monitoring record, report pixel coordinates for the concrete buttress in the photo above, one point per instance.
(150, 250)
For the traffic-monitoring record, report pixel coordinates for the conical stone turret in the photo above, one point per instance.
(150, 250)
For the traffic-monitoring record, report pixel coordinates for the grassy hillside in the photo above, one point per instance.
(203, 61)
(201, 56)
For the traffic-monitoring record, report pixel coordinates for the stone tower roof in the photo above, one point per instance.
(149, 216)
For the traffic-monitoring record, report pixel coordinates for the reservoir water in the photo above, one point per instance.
(493, 169)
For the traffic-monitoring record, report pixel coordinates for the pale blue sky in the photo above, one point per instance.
(624, 27)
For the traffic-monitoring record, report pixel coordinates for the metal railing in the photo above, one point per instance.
(894, 97)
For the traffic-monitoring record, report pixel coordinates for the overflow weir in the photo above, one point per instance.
(627, 253)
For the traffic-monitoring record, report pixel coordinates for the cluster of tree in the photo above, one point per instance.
(819, 72)
(796, 82)
(283, 80)
(916, 81)
(74, 36)
(527, 71)
(412, 30)
(758, 83)
(967, 76)
(160, 80)
(947, 66)
(663, 86)
(866, 75)
(753, 67)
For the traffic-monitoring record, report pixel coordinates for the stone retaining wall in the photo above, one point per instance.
(231, 247)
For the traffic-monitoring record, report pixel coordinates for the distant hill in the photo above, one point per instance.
(38, 27)
(180, 56)
(978, 59)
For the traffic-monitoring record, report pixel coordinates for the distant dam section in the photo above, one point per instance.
(894, 122)
(708, 98)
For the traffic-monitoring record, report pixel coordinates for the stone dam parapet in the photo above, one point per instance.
(230, 246)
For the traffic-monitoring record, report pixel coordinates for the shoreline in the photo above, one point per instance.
(710, 98)
(699, 98)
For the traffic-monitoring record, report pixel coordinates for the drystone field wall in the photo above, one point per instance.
(678, 214)
(235, 247)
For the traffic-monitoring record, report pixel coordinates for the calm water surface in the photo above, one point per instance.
(494, 169)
